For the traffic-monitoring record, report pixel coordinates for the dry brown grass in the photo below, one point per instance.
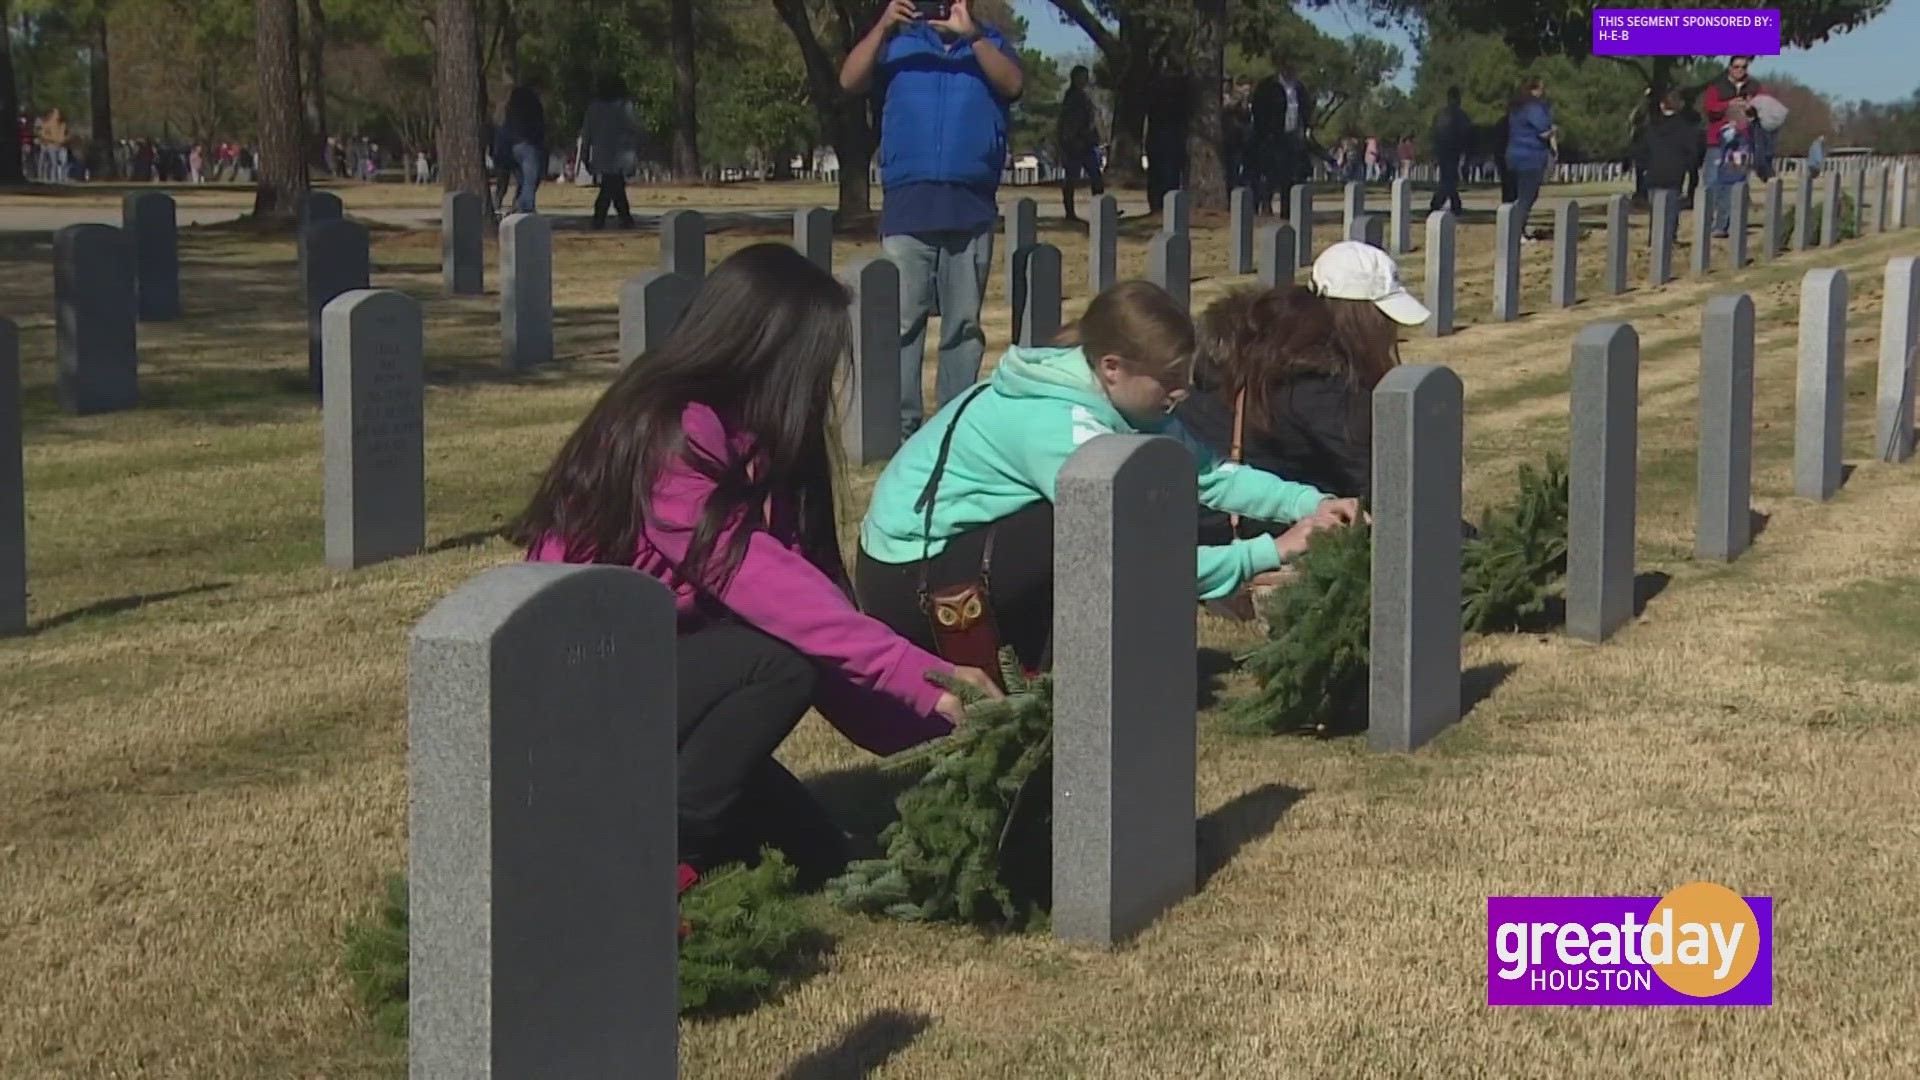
(203, 741)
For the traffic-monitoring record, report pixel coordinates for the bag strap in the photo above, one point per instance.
(927, 494)
(1233, 453)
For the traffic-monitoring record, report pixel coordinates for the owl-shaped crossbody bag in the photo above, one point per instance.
(961, 615)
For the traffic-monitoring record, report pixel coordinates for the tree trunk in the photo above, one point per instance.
(314, 77)
(11, 167)
(1206, 165)
(846, 121)
(462, 116)
(101, 157)
(283, 164)
(686, 106)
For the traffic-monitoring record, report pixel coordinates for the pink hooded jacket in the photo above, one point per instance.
(873, 683)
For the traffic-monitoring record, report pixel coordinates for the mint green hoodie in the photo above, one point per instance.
(1041, 405)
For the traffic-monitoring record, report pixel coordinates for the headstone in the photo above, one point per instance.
(1353, 203)
(1725, 528)
(813, 235)
(1040, 308)
(1830, 218)
(1440, 284)
(1701, 255)
(1566, 254)
(526, 290)
(1240, 236)
(1899, 338)
(1617, 206)
(1820, 408)
(1902, 194)
(1662, 221)
(1882, 212)
(463, 255)
(542, 914)
(1124, 686)
(96, 332)
(338, 261)
(1300, 203)
(1369, 229)
(1170, 266)
(1737, 225)
(1803, 213)
(149, 219)
(1277, 252)
(1103, 246)
(1857, 182)
(13, 488)
(1602, 470)
(1770, 213)
(1023, 232)
(1506, 264)
(1402, 217)
(373, 423)
(683, 243)
(1179, 212)
(1414, 677)
(652, 303)
(870, 402)
(313, 208)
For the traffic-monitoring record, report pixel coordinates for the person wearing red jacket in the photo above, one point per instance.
(1726, 100)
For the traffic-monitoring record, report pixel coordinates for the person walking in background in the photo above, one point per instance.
(610, 146)
(1403, 163)
(53, 147)
(1236, 129)
(1726, 103)
(1530, 134)
(525, 131)
(1372, 158)
(1452, 135)
(1282, 116)
(1077, 135)
(948, 88)
(1667, 152)
(1168, 115)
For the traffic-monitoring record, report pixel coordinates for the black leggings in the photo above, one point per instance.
(1020, 588)
(613, 193)
(741, 693)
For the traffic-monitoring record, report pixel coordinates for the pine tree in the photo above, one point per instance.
(973, 841)
(1315, 658)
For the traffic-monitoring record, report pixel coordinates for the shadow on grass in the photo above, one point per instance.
(1646, 587)
(863, 1048)
(1757, 523)
(120, 605)
(1478, 683)
(861, 801)
(1249, 816)
(1214, 667)
(477, 538)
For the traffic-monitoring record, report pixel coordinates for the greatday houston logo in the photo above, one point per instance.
(1701, 944)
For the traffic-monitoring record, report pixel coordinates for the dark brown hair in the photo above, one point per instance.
(760, 346)
(1257, 340)
(1136, 320)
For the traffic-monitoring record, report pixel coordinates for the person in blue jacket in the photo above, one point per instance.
(948, 84)
(1530, 135)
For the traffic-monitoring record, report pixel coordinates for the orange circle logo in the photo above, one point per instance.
(1701, 939)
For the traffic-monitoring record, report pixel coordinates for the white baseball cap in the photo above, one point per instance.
(1351, 270)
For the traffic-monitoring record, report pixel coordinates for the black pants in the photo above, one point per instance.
(1076, 163)
(1166, 166)
(613, 193)
(1509, 184)
(1020, 586)
(1448, 194)
(741, 693)
(1275, 170)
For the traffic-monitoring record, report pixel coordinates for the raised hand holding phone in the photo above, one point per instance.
(958, 19)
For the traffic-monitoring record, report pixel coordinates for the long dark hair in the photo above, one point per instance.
(1258, 341)
(759, 345)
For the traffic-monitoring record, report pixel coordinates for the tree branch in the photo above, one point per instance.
(1078, 14)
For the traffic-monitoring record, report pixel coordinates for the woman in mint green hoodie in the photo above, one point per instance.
(969, 497)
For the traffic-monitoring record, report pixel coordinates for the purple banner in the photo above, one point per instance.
(1699, 945)
(1686, 32)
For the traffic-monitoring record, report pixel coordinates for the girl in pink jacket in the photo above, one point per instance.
(706, 465)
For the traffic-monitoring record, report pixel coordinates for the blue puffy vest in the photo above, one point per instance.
(941, 120)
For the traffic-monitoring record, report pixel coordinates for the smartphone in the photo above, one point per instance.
(933, 10)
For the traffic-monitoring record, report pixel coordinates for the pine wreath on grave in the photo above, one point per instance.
(746, 939)
(972, 843)
(1314, 660)
(1849, 224)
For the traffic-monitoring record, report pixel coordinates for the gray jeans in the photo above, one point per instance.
(947, 271)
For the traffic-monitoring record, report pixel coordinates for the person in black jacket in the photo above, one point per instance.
(525, 131)
(1452, 136)
(1668, 151)
(1283, 378)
